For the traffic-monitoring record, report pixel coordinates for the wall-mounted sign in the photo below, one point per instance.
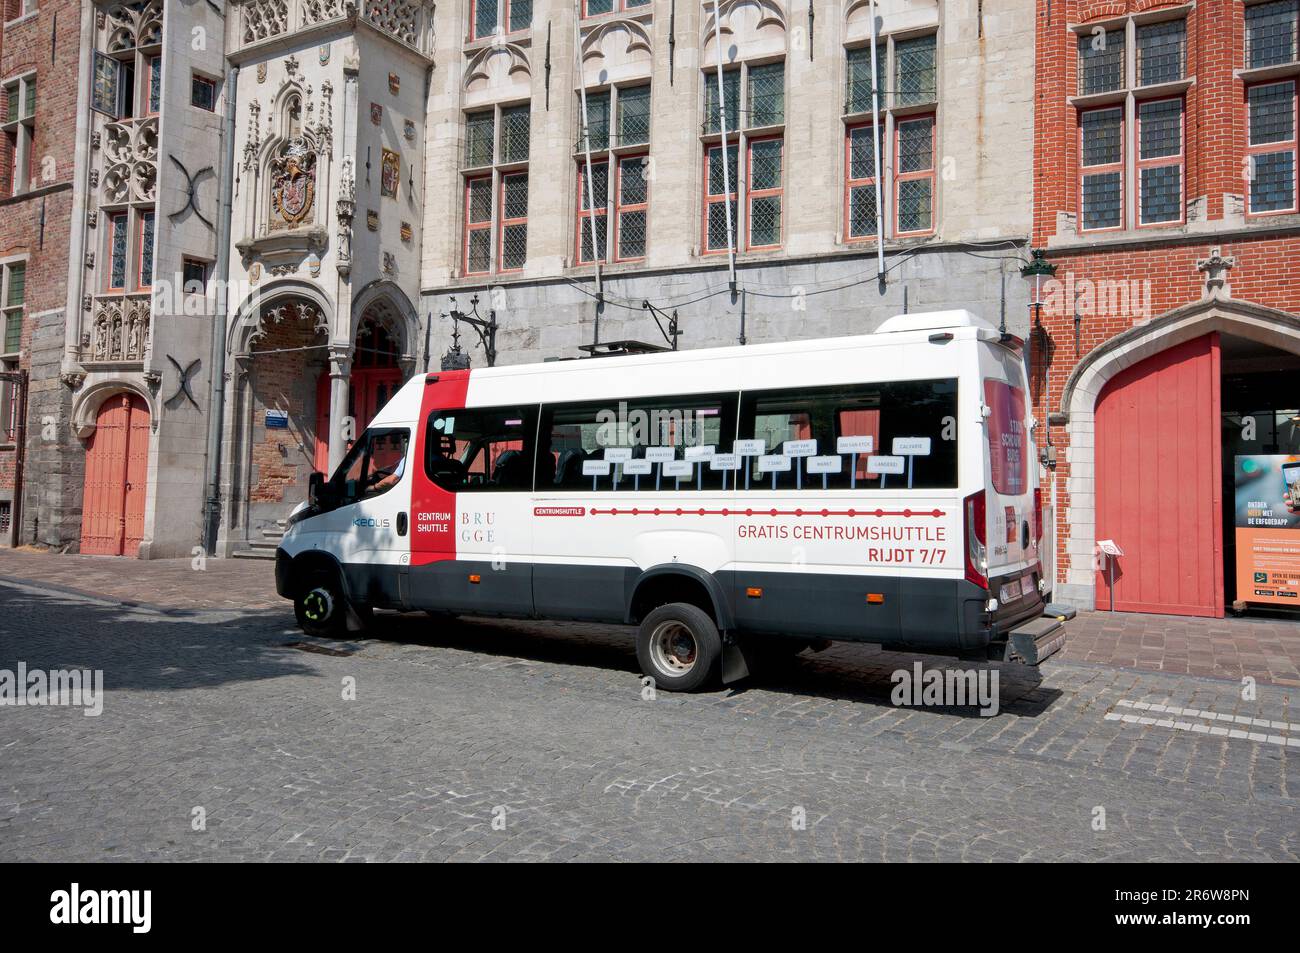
(1267, 522)
(277, 420)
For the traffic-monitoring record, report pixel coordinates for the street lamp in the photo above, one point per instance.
(1037, 274)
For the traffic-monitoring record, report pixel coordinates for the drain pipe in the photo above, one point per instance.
(217, 358)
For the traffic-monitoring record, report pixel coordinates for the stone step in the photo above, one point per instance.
(257, 553)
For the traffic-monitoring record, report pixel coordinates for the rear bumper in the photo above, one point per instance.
(1035, 640)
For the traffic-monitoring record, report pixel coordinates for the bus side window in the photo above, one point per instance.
(482, 449)
(639, 444)
(825, 437)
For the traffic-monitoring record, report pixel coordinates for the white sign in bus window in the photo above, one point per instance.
(659, 454)
(825, 464)
(750, 448)
(911, 447)
(618, 454)
(885, 465)
(678, 468)
(855, 445)
(700, 453)
(800, 448)
(595, 468)
(638, 467)
(774, 463)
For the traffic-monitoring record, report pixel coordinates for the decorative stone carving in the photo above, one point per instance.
(376, 113)
(132, 25)
(264, 19)
(404, 20)
(409, 130)
(120, 330)
(289, 310)
(293, 184)
(130, 149)
(390, 263)
(345, 208)
(1215, 269)
(73, 379)
(314, 11)
(253, 141)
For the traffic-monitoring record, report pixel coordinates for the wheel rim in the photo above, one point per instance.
(673, 649)
(318, 605)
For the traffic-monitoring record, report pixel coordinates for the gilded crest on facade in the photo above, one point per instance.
(293, 184)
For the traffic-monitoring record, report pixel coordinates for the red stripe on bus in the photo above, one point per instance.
(433, 509)
(696, 511)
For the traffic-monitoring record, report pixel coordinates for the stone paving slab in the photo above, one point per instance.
(455, 726)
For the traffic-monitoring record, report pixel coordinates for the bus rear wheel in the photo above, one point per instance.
(679, 646)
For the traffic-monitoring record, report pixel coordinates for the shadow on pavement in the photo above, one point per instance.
(143, 650)
(858, 673)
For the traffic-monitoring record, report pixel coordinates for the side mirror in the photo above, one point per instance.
(316, 488)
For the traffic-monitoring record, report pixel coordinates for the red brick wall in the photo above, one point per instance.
(284, 381)
(1164, 263)
(46, 43)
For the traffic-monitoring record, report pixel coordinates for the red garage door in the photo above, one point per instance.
(117, 467)
(1158, 482)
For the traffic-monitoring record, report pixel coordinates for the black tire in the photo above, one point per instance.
(678, 646)
(320, 606)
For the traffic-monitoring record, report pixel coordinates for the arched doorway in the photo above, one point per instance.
(117, 464)
(376, 376)
(1148, 416)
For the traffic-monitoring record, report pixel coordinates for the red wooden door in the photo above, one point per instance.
(1158, 482)
(117, 464)
(368, 390)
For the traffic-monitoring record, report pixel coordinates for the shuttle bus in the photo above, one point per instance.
(733, 504)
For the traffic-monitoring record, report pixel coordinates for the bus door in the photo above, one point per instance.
(472, 544)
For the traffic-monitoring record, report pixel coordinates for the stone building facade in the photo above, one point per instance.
(387, 161)
(508, 203)
(39, 51)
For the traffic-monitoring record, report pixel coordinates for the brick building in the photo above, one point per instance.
(1165, 193)
(39, 52)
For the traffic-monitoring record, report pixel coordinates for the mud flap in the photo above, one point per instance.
(734, 665)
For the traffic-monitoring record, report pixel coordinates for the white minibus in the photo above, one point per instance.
(734, 503)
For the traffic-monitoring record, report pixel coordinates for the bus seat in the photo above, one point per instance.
(569, 470)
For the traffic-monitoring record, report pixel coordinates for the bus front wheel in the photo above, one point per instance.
(320, 605)
(678, 646)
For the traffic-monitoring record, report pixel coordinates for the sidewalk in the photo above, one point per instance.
(1267, 650)
(165, 583)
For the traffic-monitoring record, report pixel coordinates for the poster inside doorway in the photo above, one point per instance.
(1267, 521)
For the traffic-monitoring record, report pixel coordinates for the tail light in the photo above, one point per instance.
(977, 560)
(1038, 514)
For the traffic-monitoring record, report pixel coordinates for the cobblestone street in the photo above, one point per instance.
(544, 725)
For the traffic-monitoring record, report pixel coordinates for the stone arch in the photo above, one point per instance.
(259, 305)
(506, 63)
(745, 20)
(1278, 329)
(86, 404)
(624, 39)
(386, 301)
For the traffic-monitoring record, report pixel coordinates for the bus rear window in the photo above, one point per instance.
(1006, 435)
